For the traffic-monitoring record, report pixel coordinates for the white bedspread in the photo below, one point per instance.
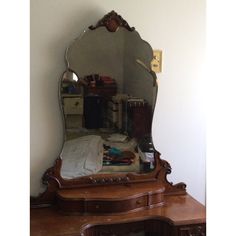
(82, 156)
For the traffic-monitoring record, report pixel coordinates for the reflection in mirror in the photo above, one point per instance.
(108, 99)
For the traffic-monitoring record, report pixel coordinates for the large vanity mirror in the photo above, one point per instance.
(108, 163)
(107, 96)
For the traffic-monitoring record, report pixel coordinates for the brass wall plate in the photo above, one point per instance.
(156, 63)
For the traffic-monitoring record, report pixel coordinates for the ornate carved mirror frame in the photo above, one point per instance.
(54, 181)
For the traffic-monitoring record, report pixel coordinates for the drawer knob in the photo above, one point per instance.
(97, 206)
(138, 202)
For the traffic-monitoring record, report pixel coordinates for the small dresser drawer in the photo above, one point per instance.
(73, 105)
(115, 206)
(97, 206)
(111, 199)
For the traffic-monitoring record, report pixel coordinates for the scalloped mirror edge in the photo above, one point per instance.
(52, 177)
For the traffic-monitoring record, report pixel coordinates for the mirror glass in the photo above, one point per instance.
(108, 95)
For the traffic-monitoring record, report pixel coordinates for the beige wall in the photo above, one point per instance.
(175, 26)
(98, 46)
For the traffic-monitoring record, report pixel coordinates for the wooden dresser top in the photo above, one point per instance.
(178, 210)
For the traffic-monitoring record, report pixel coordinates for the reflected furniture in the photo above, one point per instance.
(109, 179)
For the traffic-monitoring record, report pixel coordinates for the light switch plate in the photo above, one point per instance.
(156, 63)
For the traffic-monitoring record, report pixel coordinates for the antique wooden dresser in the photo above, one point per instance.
(109, 179)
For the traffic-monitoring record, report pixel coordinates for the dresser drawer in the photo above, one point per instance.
(73, 105)
(115, 206)
(111, 199)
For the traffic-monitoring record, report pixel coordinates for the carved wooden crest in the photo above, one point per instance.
(112, 21)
